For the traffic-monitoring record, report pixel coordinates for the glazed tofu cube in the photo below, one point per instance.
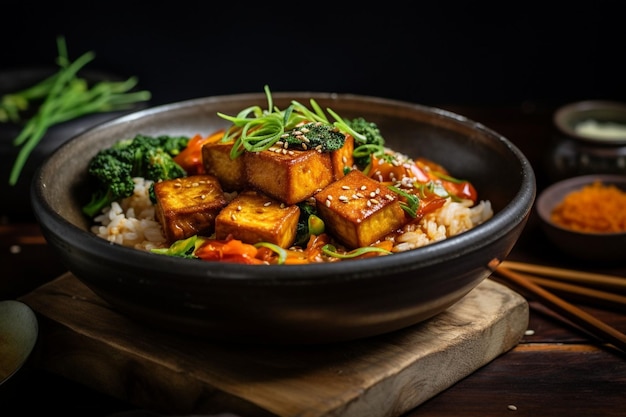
(253, 217)
(342, 159)
(216, 161)
(290, 176)
(358, 210)
(188, 206)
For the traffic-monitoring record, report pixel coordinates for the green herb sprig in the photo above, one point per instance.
(257, 129)
(331, 250)
(64, 96)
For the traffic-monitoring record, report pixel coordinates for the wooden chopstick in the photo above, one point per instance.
(580, 293)
(596, 327)
(591, 279)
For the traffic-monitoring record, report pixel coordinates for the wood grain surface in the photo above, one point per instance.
(86, 341)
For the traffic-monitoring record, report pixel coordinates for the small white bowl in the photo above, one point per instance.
(586, 246)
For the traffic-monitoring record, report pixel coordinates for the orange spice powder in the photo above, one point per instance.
(596, 208)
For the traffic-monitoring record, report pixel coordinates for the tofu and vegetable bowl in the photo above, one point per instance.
(284, 217)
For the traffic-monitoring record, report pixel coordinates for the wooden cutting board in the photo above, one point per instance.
(85, 340)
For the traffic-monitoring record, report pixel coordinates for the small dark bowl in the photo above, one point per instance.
(587, 246)
(315, 303)
(577, 151)
(570, 118)
(19, 332)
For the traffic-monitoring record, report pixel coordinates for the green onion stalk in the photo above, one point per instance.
(63, 96)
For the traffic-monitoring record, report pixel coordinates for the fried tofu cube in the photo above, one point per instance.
(342, 159)
(290, 176)
(216, 161)
(359, 210)
(253, 217)
(188, 206)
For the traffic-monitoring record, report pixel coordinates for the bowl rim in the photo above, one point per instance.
(502, 222)
(555, 193)
(563, 116)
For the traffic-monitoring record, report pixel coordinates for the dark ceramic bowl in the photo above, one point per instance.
(19, 332)
(587, 246)
(315, 303)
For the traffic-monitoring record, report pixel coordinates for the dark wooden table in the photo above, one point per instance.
(557, 369)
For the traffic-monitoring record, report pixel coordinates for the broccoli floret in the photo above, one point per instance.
(308, 223)
(142, 156)
(314, 135)
(372, 140)
(112, 170)
(160, 165)
(368, 129)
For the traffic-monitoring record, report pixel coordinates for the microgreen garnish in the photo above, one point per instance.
(257, 130)
(331, 250)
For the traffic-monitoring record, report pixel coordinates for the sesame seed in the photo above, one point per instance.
(267, 204)
(343, 198)
(327, 203)
(345, 187)
(369, 203)
(239, 208)
(512, 407)
(374, 201)
(233, 217)
(363, 187)
(304, 146)
(373, 194)
(329, 197)
(344, 159)
(355, 196)
(360, 195)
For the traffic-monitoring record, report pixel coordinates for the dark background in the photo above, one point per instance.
(434, 53)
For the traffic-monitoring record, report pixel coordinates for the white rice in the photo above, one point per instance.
(132, 223)
(450, 220)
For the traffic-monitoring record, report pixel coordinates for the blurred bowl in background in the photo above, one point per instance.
(19, 331)
(584, 245)
(590, 139)
(15, 204)
(593, 121)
